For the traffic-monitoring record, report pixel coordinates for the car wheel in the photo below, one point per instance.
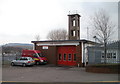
(12, 64)
(23, 64)
(37, 63)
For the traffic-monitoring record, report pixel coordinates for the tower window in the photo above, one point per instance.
(78, 23)
(78, 33)
(73, 32)
(73, 22)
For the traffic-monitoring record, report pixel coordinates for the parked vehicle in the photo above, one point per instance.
(23, 61)
(36, 55)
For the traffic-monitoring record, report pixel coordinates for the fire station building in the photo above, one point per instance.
(71, 52)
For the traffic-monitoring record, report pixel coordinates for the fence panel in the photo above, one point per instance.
(6, 59)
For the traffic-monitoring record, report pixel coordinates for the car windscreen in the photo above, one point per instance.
(40, 54)
(31, 58)
(23, 59)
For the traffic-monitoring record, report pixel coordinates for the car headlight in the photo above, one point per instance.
(41, 60)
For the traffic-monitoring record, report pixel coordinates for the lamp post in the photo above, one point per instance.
(95, 37)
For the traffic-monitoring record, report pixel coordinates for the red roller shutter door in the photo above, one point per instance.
(66, 55)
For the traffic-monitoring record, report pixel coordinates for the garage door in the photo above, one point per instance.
(66, 55)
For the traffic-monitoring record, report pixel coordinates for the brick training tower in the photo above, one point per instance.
(74, 26)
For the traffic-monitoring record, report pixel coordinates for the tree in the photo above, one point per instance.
(57, 34)
(37, 37)
(103, 28)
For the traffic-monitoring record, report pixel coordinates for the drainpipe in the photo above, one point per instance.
(82, 52)
(85, 54)
(78, 63)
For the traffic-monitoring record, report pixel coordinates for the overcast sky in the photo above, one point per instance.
(22, 20)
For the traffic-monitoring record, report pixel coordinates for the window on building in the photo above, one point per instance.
(59, 57)
(108, 55)
(102, 55)
(73, 32)
(114, 55)
(69, 57)
(64, 57)
(78, 23)
(75, 57)
(78, 33)
(73, 22)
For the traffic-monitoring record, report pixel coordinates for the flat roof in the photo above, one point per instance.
(64, 41)
(74, 15)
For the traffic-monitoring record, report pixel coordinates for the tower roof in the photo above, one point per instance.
(74, 15)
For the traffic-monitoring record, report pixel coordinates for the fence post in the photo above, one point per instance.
(2, 56)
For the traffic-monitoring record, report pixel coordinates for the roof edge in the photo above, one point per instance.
(82, 40)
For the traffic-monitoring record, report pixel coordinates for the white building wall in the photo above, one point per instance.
(85, 53)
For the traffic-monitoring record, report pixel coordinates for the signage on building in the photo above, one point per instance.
(44, 47)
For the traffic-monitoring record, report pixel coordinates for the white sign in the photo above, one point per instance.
(44, 47)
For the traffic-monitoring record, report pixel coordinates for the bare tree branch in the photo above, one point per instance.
(37, 37)
(104, 28)
(57, 34)
(103, 25)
